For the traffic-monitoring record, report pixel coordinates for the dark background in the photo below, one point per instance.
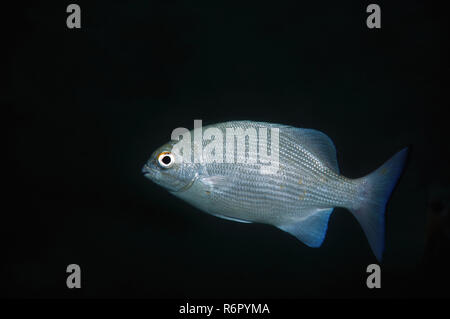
(87, 107)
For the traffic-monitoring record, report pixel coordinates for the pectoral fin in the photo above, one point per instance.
(214, 185)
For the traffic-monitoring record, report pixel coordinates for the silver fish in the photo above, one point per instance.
(298, 198)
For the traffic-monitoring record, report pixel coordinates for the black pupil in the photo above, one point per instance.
(166, 160)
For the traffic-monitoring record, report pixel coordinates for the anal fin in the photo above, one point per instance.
(310, 230)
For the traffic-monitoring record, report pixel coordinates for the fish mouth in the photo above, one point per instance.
(146, 170)
(155, 176)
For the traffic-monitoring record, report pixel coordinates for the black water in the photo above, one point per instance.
(86, 108)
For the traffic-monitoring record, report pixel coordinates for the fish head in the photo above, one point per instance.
(167, 168)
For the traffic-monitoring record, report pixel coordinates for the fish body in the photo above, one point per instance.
(297, 196)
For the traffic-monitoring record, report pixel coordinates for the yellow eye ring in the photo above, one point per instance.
(166, 159)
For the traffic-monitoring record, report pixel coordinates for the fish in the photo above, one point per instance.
(297, 196)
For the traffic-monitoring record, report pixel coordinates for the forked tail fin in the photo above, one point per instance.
(376, 188)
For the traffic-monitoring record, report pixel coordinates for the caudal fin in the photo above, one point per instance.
(376, 188)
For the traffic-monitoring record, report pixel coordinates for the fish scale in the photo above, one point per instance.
(298, 197)
(297, 164)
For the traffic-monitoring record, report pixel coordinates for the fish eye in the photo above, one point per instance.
(166, 159)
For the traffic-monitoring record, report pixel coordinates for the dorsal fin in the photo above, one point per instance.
(318, 143)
